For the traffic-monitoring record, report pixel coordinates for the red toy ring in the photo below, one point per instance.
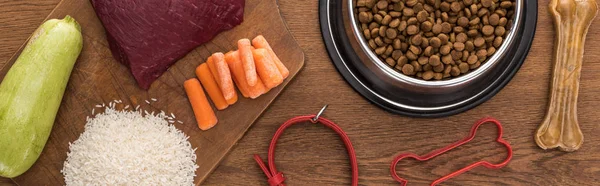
(452, 146)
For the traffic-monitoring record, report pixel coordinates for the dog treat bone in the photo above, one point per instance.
(560, 128)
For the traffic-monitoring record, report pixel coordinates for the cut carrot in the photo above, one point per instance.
(245, 52)
(212, 68)
(205, 116)
(224, 78)
(237, 71)
(260, 42)
(266, 68)
(209, 83)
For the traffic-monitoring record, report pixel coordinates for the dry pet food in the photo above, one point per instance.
(434, 39)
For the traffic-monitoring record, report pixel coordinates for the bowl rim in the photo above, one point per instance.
(452, 82)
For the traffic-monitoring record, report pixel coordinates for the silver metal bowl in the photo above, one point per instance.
(392, 77)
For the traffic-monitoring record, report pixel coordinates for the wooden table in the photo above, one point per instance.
(312, 154)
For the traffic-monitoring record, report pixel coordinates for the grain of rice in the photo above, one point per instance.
(126, 107)
(148, 102)
(173, 115)
(180, 122)
(154, 99)
(93, 111)
(122, 148)
(98, 106)
(137, 107)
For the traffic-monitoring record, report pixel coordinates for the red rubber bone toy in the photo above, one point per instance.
(452, 146)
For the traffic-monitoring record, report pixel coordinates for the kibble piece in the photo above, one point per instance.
(412, 21)
(397, 44)
(479, 42)
(458, 29)
(428, 51)
(424, 43)
(363, 17)
(380, 50)
(427, 67)
(422, 16)
(418, 7)
(465, 55)
(402, 61)
(423, 60)
(372, 44)
(378, 18)
(367, 34)
(404, 46)
(463, 21)
(396, 54)
(414, 49)
(503, 21)
(439, 68)
(482, 12)
(398, 6)
(475, 21)
(373, 25)
(472, 33)
(443, 38)
(455, 7)
(388, 41)
(411, 3)
(394, 23)
(386, 20)
(382, 30)
(487, 3)
(447, 59)
(416, 39)
(500, 30)
(447, 28)
(412, 56)
(391, 62)
(444, 16)
(391, 33)
(476, 65)
(455, 71)
(388, 50)
(419, 74)
(474, 8)
(445, 6)
(395, 14)
(494, 19)
(464, 67)
(412, 30)
(408, 69)
(497, 42)
(379, 41)
(487, 30)
(436, 29)
(427, 75)
(402, 26)
(447, 69)
(382, 5)
(461, 37)
(489, 39)
(435, 42)
(445, 50)
(434, 60)
(481, 54)
(426, 26)
(469, 46)
(491, 51)
(409, 12)
(417, 66)
(375, 32)
(459, 46)
(438, 76)
(472, 59)
(506, 4)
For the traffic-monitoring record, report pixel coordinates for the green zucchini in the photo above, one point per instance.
(31, 93)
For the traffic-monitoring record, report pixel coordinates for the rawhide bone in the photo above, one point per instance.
(560, 128)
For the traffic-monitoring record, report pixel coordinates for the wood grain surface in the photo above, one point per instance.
(313, 155)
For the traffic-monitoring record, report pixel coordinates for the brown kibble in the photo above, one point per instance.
(426, 26)
(380, 50)
(415, 50)
(445, 50)
(401, 61)
(458, 29)
(422, 16)
(443, 38)
(423, 60)
(412, 21)
(503, 21)
(382, 30)
(447, 59)
(447, 69)
(394, 23)
(465, 55)
(455, 7)
(404, 46)
(416, 40)
(445, 6)
(373, 25)
(491, 51)
(506, 4)
(397, 44)
(472, 59)
(476, 65)
(411, 3)
(395, 14)
(420, 75)
(479, 42)
(469, 46)
(438, 76)
(456, 55)
(388, 41)
(461, 37)
(472, 33)
(396, 54)
(447, 28)
(489, 39)
(463, 21)
(402, 26)
(444, 17)
(424, 43)
(434, 60)
(459, 46)
(398, 6)
(500, 30)
(417, 66)
(388, 50)
(412, 56)
(427, 67)
(439, 68)
(386, 20)
(383, 5)
(363, 17)
(367, 34)
(428, 51)
(494, 19)
(481, 54)
(435, 42)
(497, 42)
(428, 75)
(436, 29)
(409, 12)
(378, 18)
(391, 62)
(475, 21)
(486, 3)
(372, 44)
(379, 41)
(391, 33)
(412, 30)
(455, 71)
(375, 32)
(464, 67)
(408, 69)
(487, 30)
(474, 8)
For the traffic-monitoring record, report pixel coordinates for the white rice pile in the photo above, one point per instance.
(126, 148)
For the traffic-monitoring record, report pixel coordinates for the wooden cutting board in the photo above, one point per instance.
(97, 78)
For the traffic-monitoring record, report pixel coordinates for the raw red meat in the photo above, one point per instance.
(151, 35)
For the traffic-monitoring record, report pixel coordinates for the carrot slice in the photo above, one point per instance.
(245, 53)
(212, 68)
(266, 68)
(237, 71)
(205, 116)
(209, 83)
(260, 42)
(224, 78)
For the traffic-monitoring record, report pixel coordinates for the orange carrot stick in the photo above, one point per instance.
(224, 77)
(209, 83)
(245, 53)
(237, 71)
(212, 68)
(266, 68)
(260, 42)
(205, 116)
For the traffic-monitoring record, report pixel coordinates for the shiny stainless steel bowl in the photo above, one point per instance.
(389, 75)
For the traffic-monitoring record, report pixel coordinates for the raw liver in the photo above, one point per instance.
(150, 35)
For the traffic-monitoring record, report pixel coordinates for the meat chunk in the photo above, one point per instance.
(150, 35)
